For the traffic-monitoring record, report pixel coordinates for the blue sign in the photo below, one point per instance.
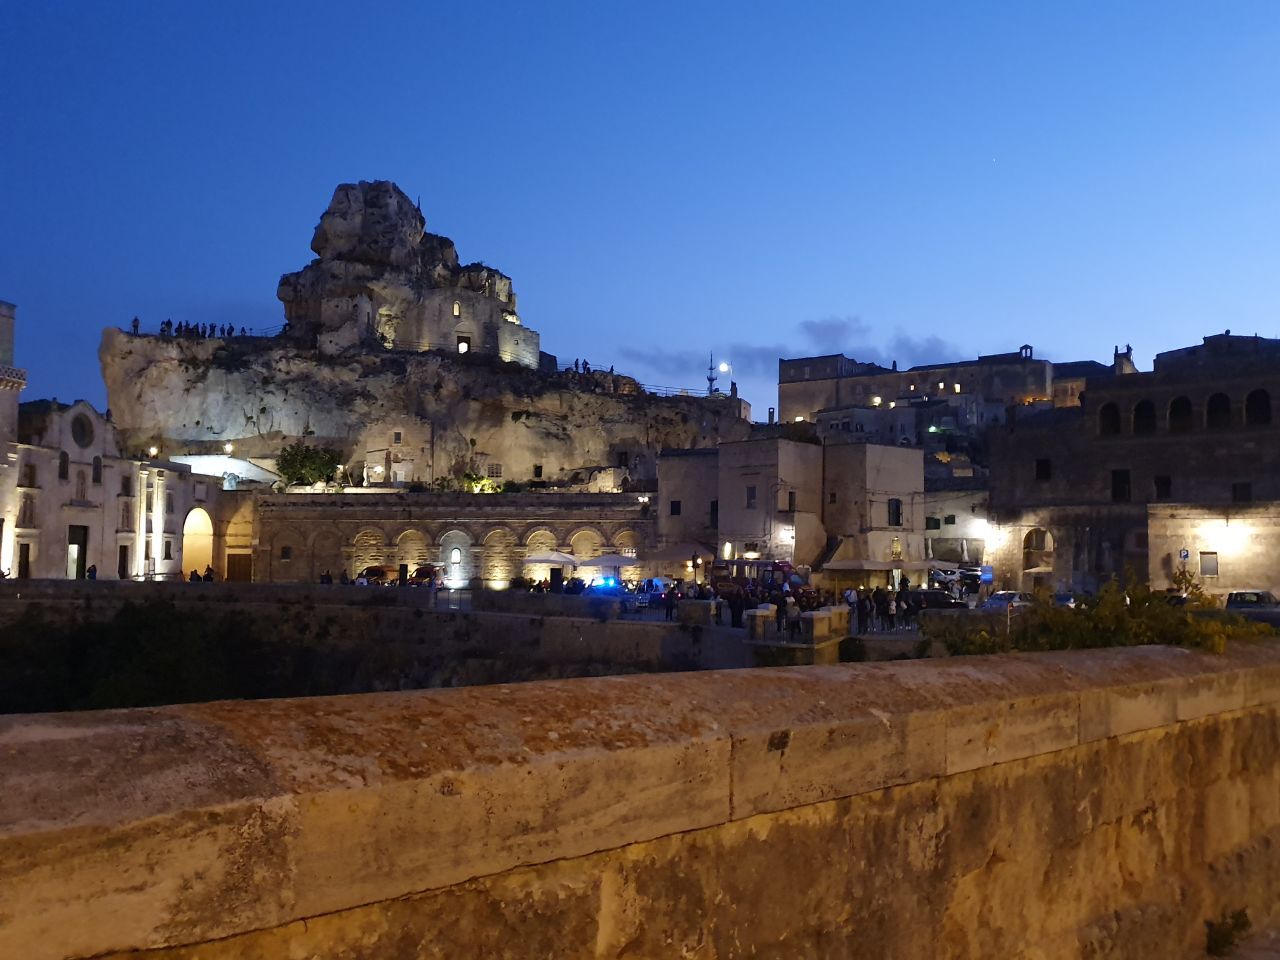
(987, 574)
(1184, 554)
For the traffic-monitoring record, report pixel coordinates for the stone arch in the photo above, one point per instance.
(1257, 409)
(197, 540)
(1217, 412)
(326, 554)
(540, 540)
(1180, 415)
(1109, 420)
(586, 542)
(498, 560)
(627, 542)
(1144, 418)
(1037, 556)
(454, 556)
(413, 548)
(368, 549)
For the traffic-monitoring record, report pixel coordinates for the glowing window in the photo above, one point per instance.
(455, 555)
(464, 344)
(457, 308)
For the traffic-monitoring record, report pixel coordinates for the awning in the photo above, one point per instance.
(837, 565)
(555, 558)
(610, 560)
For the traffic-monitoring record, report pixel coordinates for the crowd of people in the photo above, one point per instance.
(193, 331)
(882, 609)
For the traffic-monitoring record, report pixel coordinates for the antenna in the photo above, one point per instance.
(711, 375)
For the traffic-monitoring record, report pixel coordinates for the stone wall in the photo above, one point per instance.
(1095, 804)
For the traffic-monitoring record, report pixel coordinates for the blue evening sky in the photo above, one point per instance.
(896, 180)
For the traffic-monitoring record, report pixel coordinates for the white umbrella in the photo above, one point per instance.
(609, 560)
(555, 558)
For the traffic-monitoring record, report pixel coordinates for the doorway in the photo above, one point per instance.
(122, 565)
(197, 541)
(240, 567)
(77, 550)
(24, 561)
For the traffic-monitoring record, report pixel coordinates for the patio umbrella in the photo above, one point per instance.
(555, 558)
(609, 560)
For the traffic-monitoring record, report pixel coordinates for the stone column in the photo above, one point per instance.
(157, 520)
(140, 524)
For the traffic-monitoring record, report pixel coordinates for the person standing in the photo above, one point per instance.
(892, 612)
(864, 612)
(669, 602)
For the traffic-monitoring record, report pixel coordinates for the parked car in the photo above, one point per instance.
(374, 577)
(1004, 599)
(1064, 600)
(422, 576)
(939, 575)
(937, 600)
(1251, 600)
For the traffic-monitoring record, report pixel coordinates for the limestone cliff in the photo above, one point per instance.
(191, 396)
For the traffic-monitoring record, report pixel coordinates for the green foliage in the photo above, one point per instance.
(1222, 935)
(1116, 617)
(301, 463)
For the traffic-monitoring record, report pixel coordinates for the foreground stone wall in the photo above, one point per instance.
(1089, 804)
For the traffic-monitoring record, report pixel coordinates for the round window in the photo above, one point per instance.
(81, 430)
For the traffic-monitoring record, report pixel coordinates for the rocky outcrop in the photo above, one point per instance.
(381, 279)
(191, 396)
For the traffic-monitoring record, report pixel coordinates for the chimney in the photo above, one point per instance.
(771, 414)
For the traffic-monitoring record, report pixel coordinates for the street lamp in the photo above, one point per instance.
(695, 562)
(228, 447)
(153, 451)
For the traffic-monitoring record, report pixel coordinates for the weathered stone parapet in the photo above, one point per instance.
(1110, 798)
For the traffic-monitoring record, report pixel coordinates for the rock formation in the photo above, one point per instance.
(191, 396)
(381, 280)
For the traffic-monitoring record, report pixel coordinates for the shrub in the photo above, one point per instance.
(301, 463)
(1114, 618)
(1221, 935)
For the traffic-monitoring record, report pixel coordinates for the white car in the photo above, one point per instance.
(1004, 599)
(944, 576)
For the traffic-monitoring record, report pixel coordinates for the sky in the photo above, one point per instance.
(902, 180)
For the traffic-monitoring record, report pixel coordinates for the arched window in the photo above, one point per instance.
(1217, 412)
(457, 308)
(1144, 418)
(455, 555)
(1257, 409)
(64, 465)
(1109, 420)
(1180, 415)
(97, 469)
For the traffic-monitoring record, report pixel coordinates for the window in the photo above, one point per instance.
(675, 508)
(168, 549)
(537, 471)
(1120, 486)
(64, 465)
(1144, 418)
(81, 430)
(1109, 420)
(895, 548)
(126, 486)
(1217, 412)
(1180, 415)
(1241, 492)
(494, 471)
(831, 497)
(457, 308)
(1044, 470)
(286, 552)
(28, 475)
(933, 523)
(27, 511)
(751, 498)
(82, 491)
(1257, 409)
(464, 344)
(895, 512)
(168, 503)
(1164, 488)
(455, 555)
(949, 520)
(791, 501)
(1208, 564)
(97, 469)
(397, 437)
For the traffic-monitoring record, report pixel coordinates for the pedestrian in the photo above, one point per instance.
(194, 577)
(92, 572)
(892, 613)
(864, 613)
(669, 602)
(793, 620)
(135, 326)
(780, 610)
(208, 574)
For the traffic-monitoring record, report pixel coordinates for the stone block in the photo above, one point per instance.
(998, 732)
(696, 612)
(815, 626)
(1115, 711)
(1210, 694)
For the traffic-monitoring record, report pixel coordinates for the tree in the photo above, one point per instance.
(300, 463)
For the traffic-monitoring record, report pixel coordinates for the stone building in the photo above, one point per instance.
(381, 277)
(1227, 548)
(301, 536)
(1072, 487)
(769, 493)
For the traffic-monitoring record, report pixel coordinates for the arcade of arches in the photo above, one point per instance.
(302, 538)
